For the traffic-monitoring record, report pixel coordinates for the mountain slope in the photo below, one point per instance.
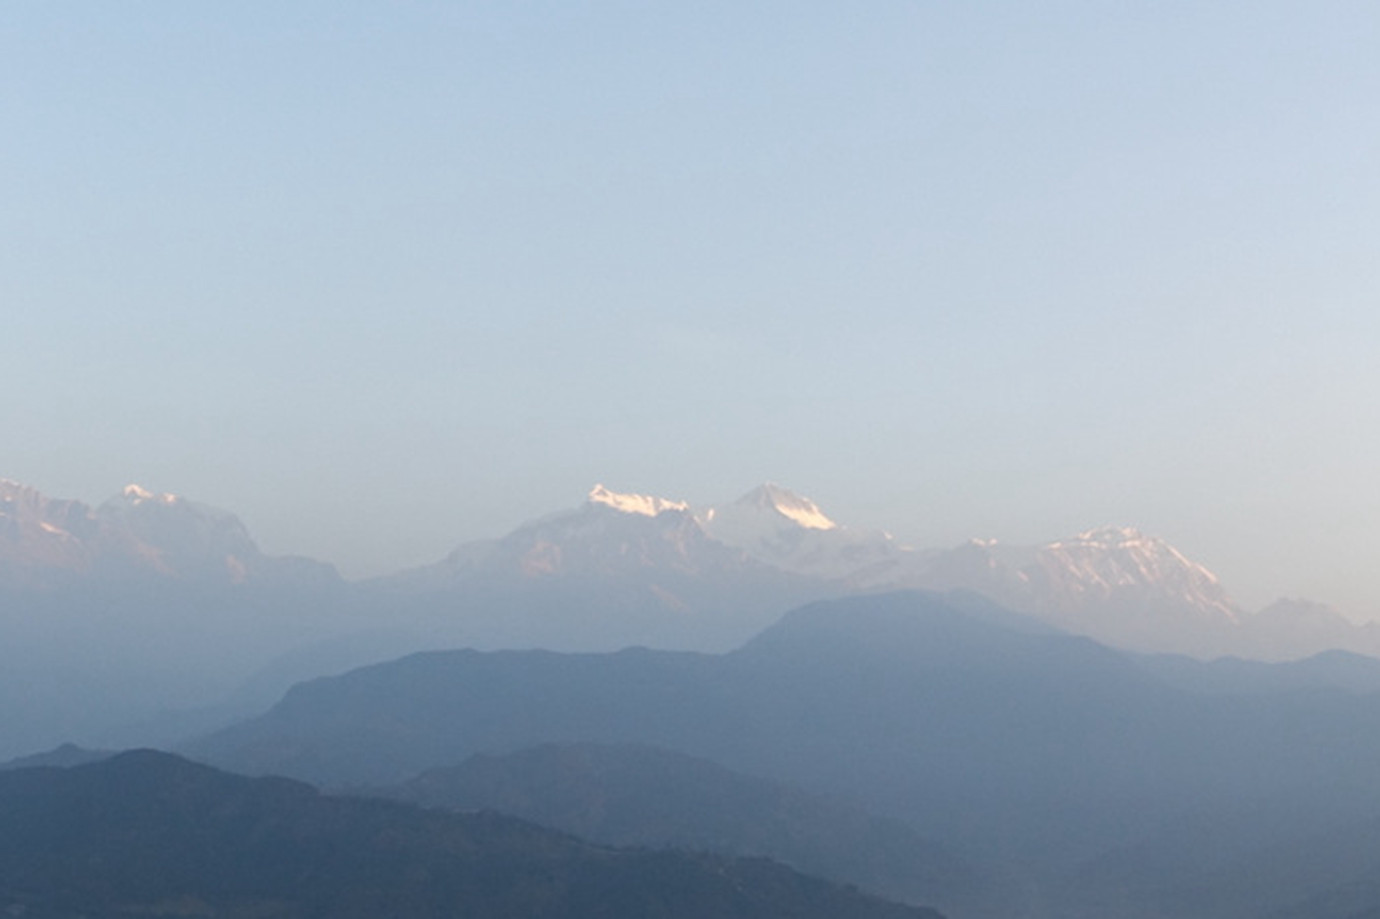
(149, 834)
(989, 732)
(628, 795)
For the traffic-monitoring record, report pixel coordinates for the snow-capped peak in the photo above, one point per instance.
(1112, 556)
(1112, 536)
(646, 505)
(797, 508)
(137, 494)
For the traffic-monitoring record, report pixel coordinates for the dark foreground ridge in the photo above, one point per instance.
(147, 833)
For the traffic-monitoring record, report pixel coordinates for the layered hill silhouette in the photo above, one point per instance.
(998, 737)
(146, 833)
(631, 795)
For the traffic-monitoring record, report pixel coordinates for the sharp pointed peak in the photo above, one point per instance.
(796, 507)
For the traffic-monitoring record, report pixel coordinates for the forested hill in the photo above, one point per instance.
(146, 833)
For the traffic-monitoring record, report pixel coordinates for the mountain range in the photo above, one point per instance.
(670, 575)
(996, 730)
(113, 616)
(1072, 779)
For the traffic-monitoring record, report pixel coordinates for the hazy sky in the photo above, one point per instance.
(385, 277)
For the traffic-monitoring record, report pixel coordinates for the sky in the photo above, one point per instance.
(384, 278)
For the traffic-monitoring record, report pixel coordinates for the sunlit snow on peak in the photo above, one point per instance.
(646, 505)
(137, 494)
(1113, 536)
(787, 503)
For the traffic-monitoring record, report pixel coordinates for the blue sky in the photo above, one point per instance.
(385, 277)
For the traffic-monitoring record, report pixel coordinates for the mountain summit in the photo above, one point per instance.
(660, 571)
(794, 507)
(778, 527)
(187, 538)
(646, 505)
(138, 533)
(1110, 559)
(1114, 584)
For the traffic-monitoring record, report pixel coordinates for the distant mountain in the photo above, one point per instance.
(611, 535)
(629, 795)
(1326, 671)
(47, 542)
(152, 609)
(640, 569)
(621, 569)
(62, 756)
(146, 833)
(625, 569)
(1114, 584)
(109, 615)
(1290, 628)
(42, 538)
(783, 529)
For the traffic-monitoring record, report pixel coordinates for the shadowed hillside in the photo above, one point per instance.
(643, 796)
(1032, 753)
(146, 833)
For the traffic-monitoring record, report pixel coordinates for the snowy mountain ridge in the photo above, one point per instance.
(646, 505)
(1062, 580)
(138, 532)
(1115, 584)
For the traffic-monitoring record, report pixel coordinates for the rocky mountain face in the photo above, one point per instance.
(43, 538)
